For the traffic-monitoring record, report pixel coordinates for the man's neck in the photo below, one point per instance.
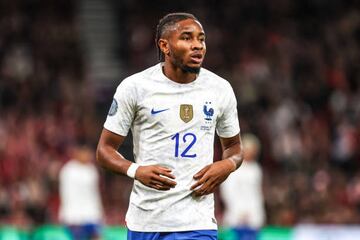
(178, 75)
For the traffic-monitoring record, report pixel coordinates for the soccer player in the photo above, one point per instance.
(173, 110)
(242, 192)
(81, 208)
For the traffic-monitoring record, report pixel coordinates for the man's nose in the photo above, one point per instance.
(196, 44)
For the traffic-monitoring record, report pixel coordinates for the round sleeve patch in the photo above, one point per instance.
(113, 108)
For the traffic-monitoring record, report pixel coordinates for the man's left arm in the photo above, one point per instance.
(214, 174)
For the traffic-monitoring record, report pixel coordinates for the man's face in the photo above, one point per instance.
(186, 45)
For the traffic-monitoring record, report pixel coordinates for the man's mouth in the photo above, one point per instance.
(196, 58)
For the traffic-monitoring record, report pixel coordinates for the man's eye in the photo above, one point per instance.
(185, 38)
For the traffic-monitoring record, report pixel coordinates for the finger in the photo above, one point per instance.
(161, 187)
(164, 181)
(203, 190)
(164, 168)
(197, 185)
(211, 187)
(199, 192)
(201, 172)
(155, 182)
(204, 178)
(206, 188)
(165, 172)
(158, 185)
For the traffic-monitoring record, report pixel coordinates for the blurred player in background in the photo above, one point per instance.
(242, 192)
(81, 208)
(173, 110)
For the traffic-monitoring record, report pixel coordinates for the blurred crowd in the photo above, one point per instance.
(294, 66)
(45, 106)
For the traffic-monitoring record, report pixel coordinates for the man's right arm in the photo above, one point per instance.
(153, 176)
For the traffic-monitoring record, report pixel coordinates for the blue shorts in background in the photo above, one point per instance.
(185, 235)
(85, 231)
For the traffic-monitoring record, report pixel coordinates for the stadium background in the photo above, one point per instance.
(294, 66)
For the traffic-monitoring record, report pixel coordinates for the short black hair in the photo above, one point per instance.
(169, 20)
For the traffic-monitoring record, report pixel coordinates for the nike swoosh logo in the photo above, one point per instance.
(153, 112)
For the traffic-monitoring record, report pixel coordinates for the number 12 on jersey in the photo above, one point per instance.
(185, 138)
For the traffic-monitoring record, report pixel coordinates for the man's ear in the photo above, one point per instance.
(164, 46)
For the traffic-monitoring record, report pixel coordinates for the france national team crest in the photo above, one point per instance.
(208, 116)
(186, 112)
(208, 111)
(113, 108)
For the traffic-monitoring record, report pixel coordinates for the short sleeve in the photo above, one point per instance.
(122, 110)
(228, 122)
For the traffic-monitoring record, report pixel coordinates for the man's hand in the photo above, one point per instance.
(156, 177)
(212, 176)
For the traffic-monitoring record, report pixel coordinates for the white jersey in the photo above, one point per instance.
(173, 125)
(79, 194)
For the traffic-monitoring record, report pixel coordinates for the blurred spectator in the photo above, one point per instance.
(242, 192)
(80, 200)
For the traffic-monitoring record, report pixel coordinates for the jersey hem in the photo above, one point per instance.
(176, 229)
(229, 135)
